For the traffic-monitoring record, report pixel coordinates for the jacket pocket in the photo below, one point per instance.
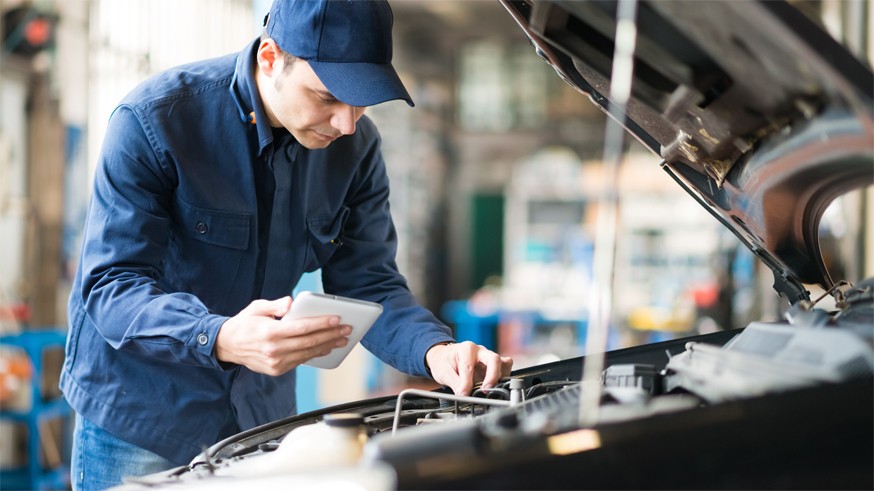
(205, 254)
(325, 237)
(221, 228)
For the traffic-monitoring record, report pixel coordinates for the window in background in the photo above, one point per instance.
(166, 33)
(503, 87)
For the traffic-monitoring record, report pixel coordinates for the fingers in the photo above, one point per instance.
(307, 325)
(462, 365)
(478, 364)
(493, 366)
(300, 340)
(278, 356)
(301, 351)
(256, 339)
(446, 368)
(466, 360)
(318, 341)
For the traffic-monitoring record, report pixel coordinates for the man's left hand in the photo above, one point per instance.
(461, 365)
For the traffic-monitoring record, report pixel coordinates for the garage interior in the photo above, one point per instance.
(496, 177)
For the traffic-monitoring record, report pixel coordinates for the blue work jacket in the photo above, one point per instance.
(171, 250)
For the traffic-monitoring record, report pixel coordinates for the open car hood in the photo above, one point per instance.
(758, 113)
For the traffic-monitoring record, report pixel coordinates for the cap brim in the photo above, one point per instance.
(361, 84)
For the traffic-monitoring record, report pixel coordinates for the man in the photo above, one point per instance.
(219, 184)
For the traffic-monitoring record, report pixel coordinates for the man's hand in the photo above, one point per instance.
(462, 365)
(258, 339)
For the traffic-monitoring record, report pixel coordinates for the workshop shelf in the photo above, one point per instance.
(43, 409)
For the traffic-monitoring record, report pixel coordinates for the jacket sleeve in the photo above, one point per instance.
(125, 241)
(365, 267)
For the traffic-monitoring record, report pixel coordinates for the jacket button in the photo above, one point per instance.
(200, 228)
(202, 339)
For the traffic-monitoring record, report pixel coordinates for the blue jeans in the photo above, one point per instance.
(100, 460)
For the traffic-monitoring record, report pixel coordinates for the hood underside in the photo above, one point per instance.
(757, 112)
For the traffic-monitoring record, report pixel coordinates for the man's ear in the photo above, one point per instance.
(268, 55)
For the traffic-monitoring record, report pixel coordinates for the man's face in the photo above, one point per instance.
(296, 99)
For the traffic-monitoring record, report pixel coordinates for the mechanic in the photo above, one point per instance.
(218, 185)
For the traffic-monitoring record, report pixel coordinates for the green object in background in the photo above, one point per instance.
(486, 239)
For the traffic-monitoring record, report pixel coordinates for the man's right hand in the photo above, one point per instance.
(259, 339)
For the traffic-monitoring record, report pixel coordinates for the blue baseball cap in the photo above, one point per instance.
(347, 43)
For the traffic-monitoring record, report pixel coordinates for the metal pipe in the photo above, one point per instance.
(442, 397)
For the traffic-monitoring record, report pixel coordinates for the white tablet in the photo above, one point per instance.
(360, 314)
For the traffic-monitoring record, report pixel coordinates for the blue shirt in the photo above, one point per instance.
(172, 247)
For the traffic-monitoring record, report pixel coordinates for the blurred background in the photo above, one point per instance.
(495, 175)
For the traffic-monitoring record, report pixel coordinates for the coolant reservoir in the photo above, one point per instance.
(336, 441)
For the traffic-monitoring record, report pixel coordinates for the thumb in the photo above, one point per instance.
(273, 308)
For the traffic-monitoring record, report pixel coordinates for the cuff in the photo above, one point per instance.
(203, 340)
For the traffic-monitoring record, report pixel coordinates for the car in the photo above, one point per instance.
(764, 120)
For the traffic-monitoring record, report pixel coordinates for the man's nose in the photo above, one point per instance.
(345, 118)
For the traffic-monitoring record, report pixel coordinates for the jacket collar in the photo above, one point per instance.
(248, 100)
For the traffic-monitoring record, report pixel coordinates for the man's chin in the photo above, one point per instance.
(314, 145)
(314, 140)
